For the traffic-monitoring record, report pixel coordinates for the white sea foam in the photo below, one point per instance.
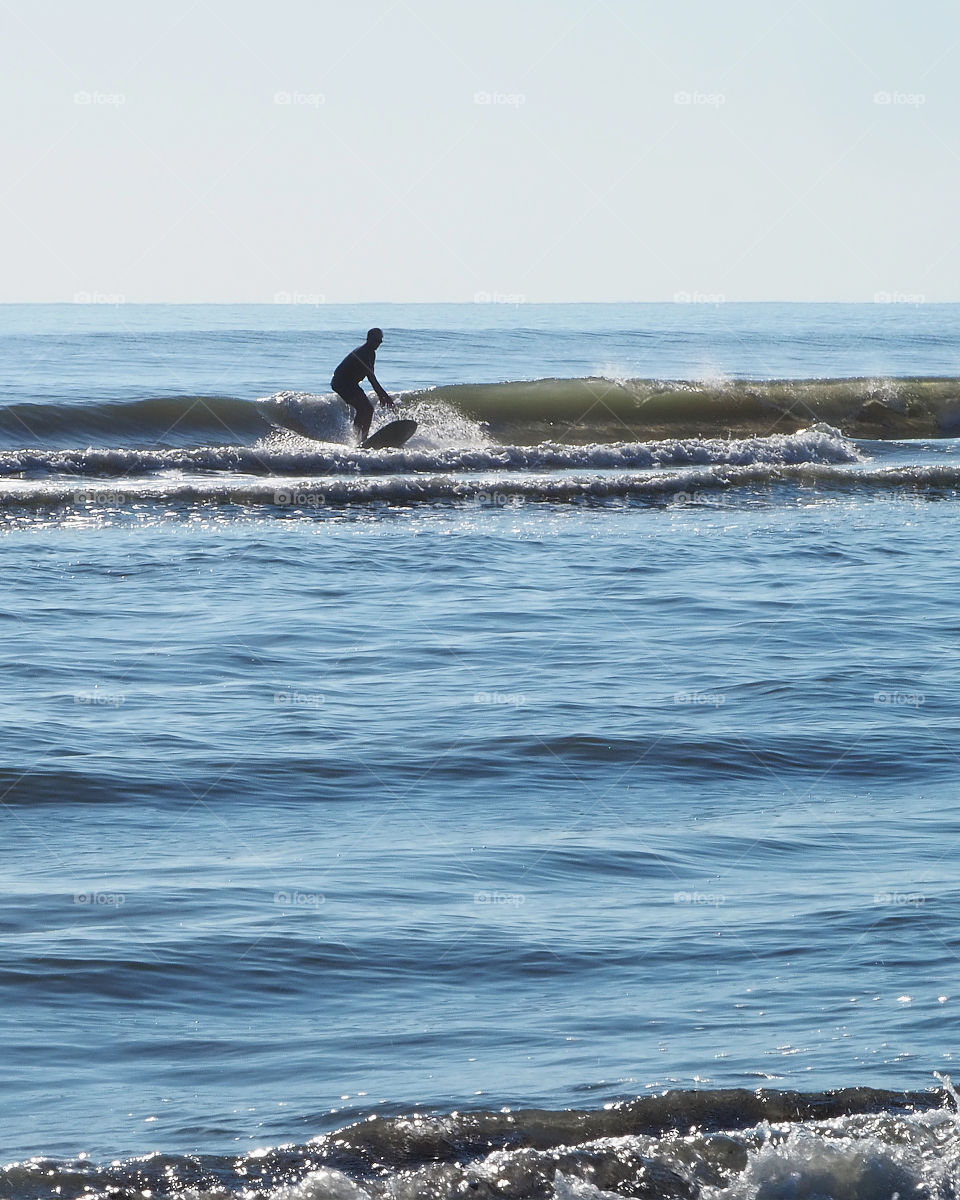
(287, 453)
(851, 1158)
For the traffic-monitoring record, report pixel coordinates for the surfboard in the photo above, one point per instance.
(390, 437)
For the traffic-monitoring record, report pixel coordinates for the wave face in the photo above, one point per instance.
(209, 448)
(584, 410)
(854, 1144)
(160, 421)
(570, 412)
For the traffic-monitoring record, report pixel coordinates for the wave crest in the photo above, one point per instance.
(858, 1143)
(598, 409)
(291, 455)
(569, 412)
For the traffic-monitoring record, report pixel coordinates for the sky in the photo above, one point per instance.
(317, 151)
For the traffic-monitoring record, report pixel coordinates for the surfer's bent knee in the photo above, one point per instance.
(359, 401)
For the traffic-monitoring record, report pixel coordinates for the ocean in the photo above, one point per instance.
(563, 805)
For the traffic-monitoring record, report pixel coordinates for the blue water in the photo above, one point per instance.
(315, 811)
(64, 352)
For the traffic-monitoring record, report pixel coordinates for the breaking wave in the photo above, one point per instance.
(853, 1144)
(292, 455)
(608, 409)
(566, 411)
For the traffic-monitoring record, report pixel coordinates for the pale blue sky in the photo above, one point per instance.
(233, 150)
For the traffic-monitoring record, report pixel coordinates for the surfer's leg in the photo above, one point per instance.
(359, 401)
(364, 415)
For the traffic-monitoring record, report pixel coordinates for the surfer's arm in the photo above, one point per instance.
(384, 397)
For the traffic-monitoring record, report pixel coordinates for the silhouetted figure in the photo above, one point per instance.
(346, 379)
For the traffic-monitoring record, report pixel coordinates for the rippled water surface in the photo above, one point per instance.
(464, 799)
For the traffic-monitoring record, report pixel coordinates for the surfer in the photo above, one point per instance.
(346, 382)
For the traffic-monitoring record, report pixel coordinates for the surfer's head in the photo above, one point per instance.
(374, 336)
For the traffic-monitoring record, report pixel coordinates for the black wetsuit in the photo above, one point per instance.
(346, 379)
